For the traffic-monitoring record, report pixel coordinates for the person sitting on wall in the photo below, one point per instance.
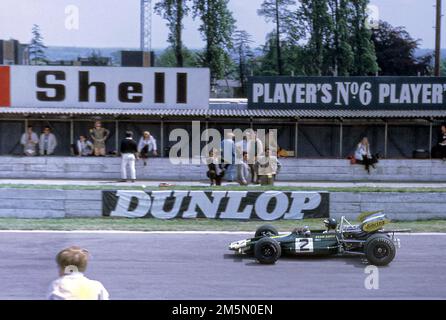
(364, 156)
(215, 171)
(269, 167)
(439, 151)
(146, 145)
(99, 135)
(47, 143)
(29, 141)
(84, 147)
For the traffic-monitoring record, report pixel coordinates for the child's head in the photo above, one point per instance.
(72, 259)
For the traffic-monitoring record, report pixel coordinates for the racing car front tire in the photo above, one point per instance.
(267, 251)
(266, 231)
(379, 250)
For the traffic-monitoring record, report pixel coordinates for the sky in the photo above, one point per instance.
(115, 23)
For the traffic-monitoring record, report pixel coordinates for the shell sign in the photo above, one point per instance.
(104, 87)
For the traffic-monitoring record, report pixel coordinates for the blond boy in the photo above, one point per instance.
(72, 283)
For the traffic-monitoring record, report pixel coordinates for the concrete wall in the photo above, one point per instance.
(28, 203)
(162, 169)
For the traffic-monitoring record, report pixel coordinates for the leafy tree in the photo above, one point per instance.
(395, 51)
(243, 56)
(216, 29)
(174, 12)
(362, 44)
(295, 59)
(97, 59)
(316, 21)
(277, 11)
(37, 47)
(443, 68)
(340, 52)
(169, 59)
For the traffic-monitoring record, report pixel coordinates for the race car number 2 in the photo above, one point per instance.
(304, 245)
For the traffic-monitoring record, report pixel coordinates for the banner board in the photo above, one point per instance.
(238, 205)
(103, 87)
(347, 93)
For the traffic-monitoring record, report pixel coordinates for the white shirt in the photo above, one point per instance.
(361, 152)
(151, 143)
(76, 286)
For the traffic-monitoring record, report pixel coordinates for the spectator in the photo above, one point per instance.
(99, 135)
(243, 170)
(364, 156)
(147, 144)
(439, 151)
(84, 147)
(228, 151)
(72, 283)
(269, 167)
(242, 144)
(129, 149)
(29, 142)
(255, 150)
(215, 172)
(47, 143)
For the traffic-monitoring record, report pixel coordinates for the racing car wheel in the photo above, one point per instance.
(267, 251)
(379, 250)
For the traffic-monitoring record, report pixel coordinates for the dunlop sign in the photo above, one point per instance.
(240, 205)
(347, 93)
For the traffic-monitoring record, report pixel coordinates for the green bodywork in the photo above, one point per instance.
(318, 243)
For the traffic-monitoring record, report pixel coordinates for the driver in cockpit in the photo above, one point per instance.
(330, 224)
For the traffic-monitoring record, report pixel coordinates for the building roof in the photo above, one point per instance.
(230, 112)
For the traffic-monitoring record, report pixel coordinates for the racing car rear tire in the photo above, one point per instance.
(266, 231)
(379, 250)
(267, 251)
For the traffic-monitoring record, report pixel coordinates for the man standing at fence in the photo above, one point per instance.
(99, 135)
(47, 143)
(128, 149)
(29, 142)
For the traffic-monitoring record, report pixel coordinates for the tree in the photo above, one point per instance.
(362, 44)
(395, 51)
(97, 59)
(37, 47)
(341, 51)
(169, 58)
(315, 19)
(216, 29)
(443, 68)
(174, 12)
(277, 11)
(296, 58)
(243, 55)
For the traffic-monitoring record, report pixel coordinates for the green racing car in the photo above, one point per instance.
(367, 239)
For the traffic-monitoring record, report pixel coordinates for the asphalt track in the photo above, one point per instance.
(199, 266)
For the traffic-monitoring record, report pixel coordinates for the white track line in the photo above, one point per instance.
(175, 232)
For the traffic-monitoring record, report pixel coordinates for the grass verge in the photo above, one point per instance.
(122, 224)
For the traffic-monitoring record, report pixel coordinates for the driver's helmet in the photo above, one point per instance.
(330, 223)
